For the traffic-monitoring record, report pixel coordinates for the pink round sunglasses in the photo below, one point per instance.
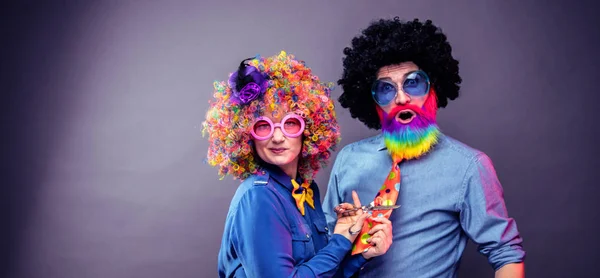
(291, 126)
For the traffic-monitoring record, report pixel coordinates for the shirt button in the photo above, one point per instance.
(326, 229)
(307, 236)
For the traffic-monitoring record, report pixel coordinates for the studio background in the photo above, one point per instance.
(103, 171)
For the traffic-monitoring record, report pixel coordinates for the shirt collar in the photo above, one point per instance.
(281, 177)
(380, 143)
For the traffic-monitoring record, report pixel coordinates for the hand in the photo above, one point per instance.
(381, 238)
(349, 219)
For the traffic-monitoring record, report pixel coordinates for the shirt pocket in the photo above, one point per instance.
(322, 229)
(302, 244)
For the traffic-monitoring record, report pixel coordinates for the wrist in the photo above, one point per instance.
(345, 234)
(349, 233)
(367, 257)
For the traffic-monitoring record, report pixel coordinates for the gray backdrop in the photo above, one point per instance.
(102, 154)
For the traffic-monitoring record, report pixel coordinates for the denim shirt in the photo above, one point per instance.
(447, 196)
(266, 236)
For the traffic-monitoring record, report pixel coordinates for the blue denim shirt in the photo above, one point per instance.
(447, 196)
(266, 236)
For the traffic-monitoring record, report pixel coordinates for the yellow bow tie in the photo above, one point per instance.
(305, 196)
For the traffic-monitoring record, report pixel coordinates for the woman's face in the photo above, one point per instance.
(280, 149)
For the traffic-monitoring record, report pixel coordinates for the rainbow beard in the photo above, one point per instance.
(414, 139)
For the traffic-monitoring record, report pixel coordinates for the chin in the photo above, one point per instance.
(409, 133)
(279, 161)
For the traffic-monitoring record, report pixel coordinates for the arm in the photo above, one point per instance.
(511, 270)
(263, 240)
(351, 264)
(485, 220)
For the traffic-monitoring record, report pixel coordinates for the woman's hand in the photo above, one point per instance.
(350, 221)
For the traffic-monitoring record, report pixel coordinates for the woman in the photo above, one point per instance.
(273, 126)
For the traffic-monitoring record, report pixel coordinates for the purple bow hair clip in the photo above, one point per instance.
(252, 89)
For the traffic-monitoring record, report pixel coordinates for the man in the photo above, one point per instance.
(396, 75)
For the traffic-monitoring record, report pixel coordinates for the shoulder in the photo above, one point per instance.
(367, 145)
(474, 162)
(362, 150)
(255, 189)
(459, 151)
(256, 204)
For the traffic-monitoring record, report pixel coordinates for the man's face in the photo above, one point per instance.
(414, 104)
(400, 105)
(407, 108)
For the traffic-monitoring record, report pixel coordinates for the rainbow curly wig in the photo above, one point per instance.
(282, 84)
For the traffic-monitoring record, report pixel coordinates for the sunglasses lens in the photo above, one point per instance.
(292, 126)
(262, 128)
(416, 84)
(383, 92)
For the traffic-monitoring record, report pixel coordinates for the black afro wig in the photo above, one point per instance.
(390, 42)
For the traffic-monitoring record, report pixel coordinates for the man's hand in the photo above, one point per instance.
(381, 238)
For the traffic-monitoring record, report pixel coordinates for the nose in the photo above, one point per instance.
(402, 98)
(278, 136)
